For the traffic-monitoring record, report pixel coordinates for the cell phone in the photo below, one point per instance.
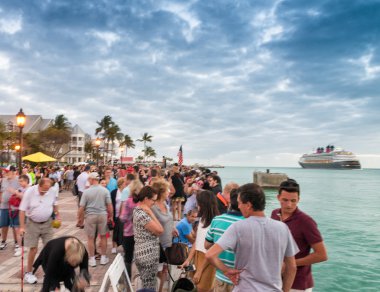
(190, 268)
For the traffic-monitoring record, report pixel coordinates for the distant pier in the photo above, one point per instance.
(269, 180)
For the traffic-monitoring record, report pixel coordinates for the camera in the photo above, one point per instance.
(190, 268)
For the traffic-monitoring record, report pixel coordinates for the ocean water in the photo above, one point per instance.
(346, 206)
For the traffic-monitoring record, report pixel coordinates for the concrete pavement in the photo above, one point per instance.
(10, 266)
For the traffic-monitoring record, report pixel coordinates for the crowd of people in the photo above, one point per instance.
(232, 245)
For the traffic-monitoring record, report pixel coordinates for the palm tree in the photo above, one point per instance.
(52, 139)
(104, 126)
(61, 123)
(128, 143)
(149, 152)
(139, 158)
(145, 138)
(113, 133)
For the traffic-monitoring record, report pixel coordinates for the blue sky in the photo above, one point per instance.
(254, 83)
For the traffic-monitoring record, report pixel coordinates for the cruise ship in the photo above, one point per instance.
(331, 157)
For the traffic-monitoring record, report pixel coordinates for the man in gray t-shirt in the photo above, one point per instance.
(95, 209)
(261, 246)
(9, 186)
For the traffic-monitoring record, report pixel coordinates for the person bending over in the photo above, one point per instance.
(58, 259)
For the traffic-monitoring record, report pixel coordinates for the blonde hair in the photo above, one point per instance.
(74, 252)
(120, 182)
(135, 186)
(160, 186)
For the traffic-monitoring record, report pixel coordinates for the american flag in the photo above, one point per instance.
(180, 156)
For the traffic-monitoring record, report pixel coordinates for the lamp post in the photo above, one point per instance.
(20, 121)
(97, 145)
(121, 155)
(9, 139)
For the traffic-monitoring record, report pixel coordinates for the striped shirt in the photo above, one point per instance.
(218, 226)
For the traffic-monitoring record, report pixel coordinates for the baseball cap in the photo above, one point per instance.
(93, 175)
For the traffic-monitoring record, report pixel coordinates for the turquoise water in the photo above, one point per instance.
(346, 206)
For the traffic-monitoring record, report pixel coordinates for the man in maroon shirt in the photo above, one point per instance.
(305, 233)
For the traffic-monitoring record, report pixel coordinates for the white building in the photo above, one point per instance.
(75, 149)
(34, 124)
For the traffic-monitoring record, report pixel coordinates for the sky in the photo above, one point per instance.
(240, 83)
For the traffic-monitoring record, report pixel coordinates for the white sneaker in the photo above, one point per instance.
(92, 262)
(3, 245)
(30, 278)
(113, 251)
(104, 260)
(17, 252)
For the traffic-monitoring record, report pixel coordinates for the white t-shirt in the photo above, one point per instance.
(82, 181)
(201, 236)
(38, 207)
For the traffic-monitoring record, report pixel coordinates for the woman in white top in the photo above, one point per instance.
(205, 273)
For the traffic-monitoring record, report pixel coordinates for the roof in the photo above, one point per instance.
(33, 123)
(76, 130)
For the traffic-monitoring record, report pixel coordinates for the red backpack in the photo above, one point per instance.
(14, 203)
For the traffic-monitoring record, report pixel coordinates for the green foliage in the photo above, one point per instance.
(88, 147)
(149, 152)
(52, 139)
(111, 132)
(61, 123)
(145, 139)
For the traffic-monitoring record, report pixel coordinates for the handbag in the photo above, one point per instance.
(177, 253)
(182, 285)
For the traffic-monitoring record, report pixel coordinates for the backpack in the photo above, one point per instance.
(14, 203)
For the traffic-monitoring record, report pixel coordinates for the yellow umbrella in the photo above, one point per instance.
(38, 157)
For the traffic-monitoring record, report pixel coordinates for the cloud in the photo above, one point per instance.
(5, 62)
(234, 82)
(10, 23)
(365, 62)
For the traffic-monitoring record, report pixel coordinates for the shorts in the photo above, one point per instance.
(208, 275)
(306, 290)
(221, 286)
(4, 218)
(93, 223)
(35, 230)
(14, 219)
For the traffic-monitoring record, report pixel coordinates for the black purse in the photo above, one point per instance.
(177, 253)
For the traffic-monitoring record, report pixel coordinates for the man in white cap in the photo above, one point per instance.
(95, 209)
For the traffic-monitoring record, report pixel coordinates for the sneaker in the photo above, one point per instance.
(17, 252)
(3, 245)
(104, 260)
(113, 251)
(30, 278)
(92, 262)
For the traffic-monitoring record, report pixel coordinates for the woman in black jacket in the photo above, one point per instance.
(58, 259)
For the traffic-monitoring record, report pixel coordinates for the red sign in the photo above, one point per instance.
(126, 159)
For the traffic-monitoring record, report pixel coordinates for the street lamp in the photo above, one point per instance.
(97, 145)
(9, 139)
(20, 121)
(121, 154)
